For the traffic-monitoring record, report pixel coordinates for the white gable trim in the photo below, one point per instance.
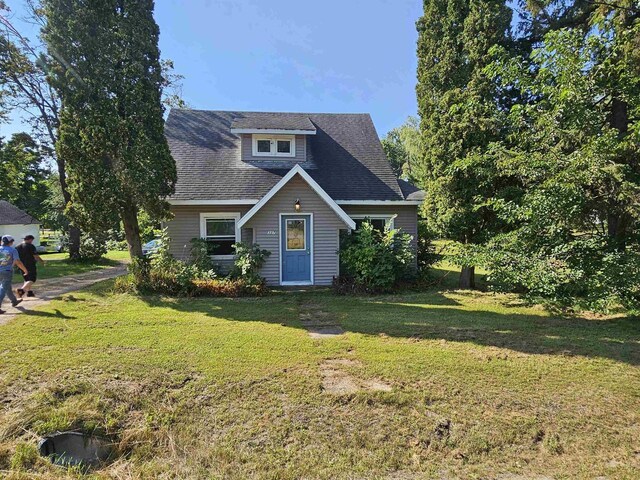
(312, 183)
(243, 201)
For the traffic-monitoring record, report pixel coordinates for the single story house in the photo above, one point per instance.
(18, 223)
(290, 182)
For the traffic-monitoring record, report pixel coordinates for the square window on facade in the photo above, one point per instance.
(264, 146)
(284, 146)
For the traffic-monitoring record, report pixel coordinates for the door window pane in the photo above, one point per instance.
(295, 235)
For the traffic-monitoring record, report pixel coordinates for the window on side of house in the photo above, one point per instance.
(378, 222)
(219, 231)
(274, 146)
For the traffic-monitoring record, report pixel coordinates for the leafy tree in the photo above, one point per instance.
(574, 143)
(109, 76)
(24, 87)
(402, 147)
(461, 114)
(23, 173)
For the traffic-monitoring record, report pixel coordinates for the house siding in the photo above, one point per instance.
(326, 226)
(406, 220)
(247, 151)
(185, 226)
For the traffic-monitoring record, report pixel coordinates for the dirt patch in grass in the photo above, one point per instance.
(319, 323)
(337, 380)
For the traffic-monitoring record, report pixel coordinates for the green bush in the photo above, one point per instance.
(249, 260)
(229, 287)
(163, 274)
(372, 261)
(426, 255)
(586, 273)
(93, 246)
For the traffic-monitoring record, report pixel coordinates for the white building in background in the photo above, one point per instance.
(18, 223)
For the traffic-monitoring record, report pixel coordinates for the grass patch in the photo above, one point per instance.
(481, 386)
(59, 265)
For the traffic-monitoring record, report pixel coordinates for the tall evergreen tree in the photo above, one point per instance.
(109, 77)
(461, 115)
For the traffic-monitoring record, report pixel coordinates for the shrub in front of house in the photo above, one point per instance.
(249, 260)
(164, 274)
(374, 261)
(229, 287)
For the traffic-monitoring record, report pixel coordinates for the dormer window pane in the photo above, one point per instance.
(274, 146)
(284, 146)
(264, 146)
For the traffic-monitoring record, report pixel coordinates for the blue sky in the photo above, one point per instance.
(291, 55)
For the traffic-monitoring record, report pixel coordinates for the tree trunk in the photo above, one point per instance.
(132, 230)
(74, 242)
(617, 223)
(74, 232)
(467, 278)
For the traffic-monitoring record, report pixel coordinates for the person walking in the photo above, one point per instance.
(8, 258)
(29, 257)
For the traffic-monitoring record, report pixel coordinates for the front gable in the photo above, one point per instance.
(312, 184)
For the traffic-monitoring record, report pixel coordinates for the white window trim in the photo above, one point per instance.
(389, 219)
(220, 216)
(274, 145)
(286, 227)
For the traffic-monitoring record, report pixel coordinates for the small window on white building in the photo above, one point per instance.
(274, 146)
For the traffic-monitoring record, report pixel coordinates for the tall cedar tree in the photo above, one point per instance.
(109, 77)
(460, 115)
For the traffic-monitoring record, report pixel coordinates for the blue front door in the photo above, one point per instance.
(295, 235)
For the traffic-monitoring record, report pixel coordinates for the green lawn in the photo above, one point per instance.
(59, 265)
(480, 387)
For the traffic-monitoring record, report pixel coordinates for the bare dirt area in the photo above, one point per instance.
(337, 380)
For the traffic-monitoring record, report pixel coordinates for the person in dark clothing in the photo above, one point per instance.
(29, 257)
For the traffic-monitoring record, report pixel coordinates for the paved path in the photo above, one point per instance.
(51, 288)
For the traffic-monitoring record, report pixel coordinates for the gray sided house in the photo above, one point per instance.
(290, 182)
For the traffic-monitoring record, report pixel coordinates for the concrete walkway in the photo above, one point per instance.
(51, 288)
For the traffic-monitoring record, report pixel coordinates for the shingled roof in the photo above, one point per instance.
(348, 160)
(273, 121)
(12, 215)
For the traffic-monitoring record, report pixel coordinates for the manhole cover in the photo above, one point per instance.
(75, 448)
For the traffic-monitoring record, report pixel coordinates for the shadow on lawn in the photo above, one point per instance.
(433, 315)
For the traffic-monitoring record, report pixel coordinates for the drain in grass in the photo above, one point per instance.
(75, 449)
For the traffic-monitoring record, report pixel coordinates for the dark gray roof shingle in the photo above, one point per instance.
(410, 191)
(12, 215)
(348, 160)
(274, 121)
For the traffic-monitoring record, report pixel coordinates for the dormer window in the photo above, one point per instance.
(274, 146)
